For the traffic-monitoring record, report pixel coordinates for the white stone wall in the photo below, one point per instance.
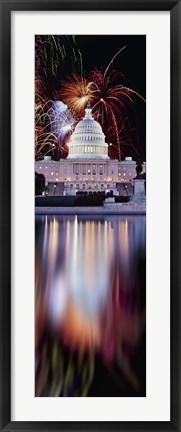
(86, 150)
(51, 170)
(99, 171)
(127, 170)
(84, 170)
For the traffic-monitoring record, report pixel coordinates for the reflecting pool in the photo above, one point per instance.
(90, 302)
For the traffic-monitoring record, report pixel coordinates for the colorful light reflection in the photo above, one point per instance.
(90, 301)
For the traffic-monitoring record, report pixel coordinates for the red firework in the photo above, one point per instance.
(110, 99)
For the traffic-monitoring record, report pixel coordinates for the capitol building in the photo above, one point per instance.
(88, 166)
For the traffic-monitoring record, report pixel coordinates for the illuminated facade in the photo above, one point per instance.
(88, 166)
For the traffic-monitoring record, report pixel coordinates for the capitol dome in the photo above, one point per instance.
(88, 139)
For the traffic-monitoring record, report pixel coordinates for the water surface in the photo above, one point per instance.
(90, 290)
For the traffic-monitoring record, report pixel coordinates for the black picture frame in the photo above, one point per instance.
(6, 6)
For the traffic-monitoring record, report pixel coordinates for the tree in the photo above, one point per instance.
(39, 183)
(138, 167)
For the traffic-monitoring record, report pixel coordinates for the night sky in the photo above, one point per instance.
(97, 51)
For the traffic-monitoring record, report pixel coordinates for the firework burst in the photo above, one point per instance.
(111, 104)
(125, 134)
(53, 122)
(75, 92)
(53, 126)
(110, 99)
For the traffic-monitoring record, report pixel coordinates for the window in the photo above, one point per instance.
(76, 168)
(100, 169)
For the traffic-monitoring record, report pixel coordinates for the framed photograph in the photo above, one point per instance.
(90, 215)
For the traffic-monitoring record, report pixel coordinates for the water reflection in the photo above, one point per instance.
(90, 306)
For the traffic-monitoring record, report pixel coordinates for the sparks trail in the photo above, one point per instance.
(113, 103)
(53, 125)
(75, 92)
(110, 99)
(53, 52)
